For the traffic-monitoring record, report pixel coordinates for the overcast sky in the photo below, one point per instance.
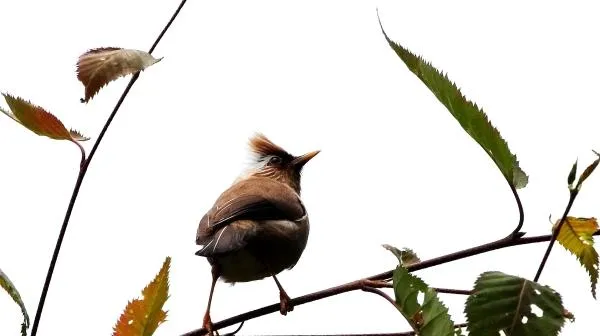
(395, 167)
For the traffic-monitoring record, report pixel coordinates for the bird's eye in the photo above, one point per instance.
(275, 160)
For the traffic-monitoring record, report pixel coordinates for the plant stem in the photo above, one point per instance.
(555, 233)
(452, 291)
(517, 231)
(82, 171)
(355, 285)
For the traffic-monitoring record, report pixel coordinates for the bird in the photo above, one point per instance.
(259, 226)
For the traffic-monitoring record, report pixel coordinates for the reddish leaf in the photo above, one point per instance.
(98, 67)
(76, 135)
(38, 120)
(141, 317)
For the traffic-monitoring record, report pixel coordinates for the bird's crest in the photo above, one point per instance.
(262, 148)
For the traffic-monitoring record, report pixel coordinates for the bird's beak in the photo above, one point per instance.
(301, 160)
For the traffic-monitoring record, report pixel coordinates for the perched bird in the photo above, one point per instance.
(259, 226)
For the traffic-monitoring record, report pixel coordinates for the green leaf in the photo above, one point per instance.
(472, 119)
(10, 288)
(516, 306)
(429, 318)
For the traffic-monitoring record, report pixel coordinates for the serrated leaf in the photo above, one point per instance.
(576, 236)
(472, 118)
(98, 67)
(38, 120)
(513, 305)
(10, 288)
(76, 135)
(405, 255)
(141, 317)
(429, 318)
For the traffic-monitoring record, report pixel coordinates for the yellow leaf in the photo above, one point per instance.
(98, 67)
(142, 316)
(576, 235)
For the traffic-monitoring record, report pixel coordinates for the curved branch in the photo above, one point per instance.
(380, 293)
(354, 285)
(517, 231)
(236, 330)
(82, 171)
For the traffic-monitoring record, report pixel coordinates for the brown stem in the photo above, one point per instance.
(384, 284)
(517, 231)
(82, 171)
(380, 293)
(572, 197)
(354, 285)
(453, 291)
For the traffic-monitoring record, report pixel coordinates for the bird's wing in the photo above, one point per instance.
(232, 220)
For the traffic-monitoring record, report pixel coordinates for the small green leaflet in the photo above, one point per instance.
(472, 119)
(430, 318)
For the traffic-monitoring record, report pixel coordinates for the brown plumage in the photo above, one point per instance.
(258, 227)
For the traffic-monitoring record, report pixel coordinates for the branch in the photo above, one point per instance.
(354, 285)
(383, 284)
(380, 293)
(82, 171)
(453, 291)
(572, 196)
(517, 231)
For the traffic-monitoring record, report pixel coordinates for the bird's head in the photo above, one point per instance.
(274, 162)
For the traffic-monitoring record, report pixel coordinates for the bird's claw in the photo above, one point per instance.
(208, 325)
(285, 306)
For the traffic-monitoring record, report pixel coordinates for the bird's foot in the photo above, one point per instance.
(208, 325)
(285, 306)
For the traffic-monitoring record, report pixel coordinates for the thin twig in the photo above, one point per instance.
(517, 231)
(453, 291)
(383, 284)
(82, 151)
(380, 293)
(236, 330)
(555, 233)
(82, 171)
(354, 285)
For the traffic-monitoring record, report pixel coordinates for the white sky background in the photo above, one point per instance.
(395, 167)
